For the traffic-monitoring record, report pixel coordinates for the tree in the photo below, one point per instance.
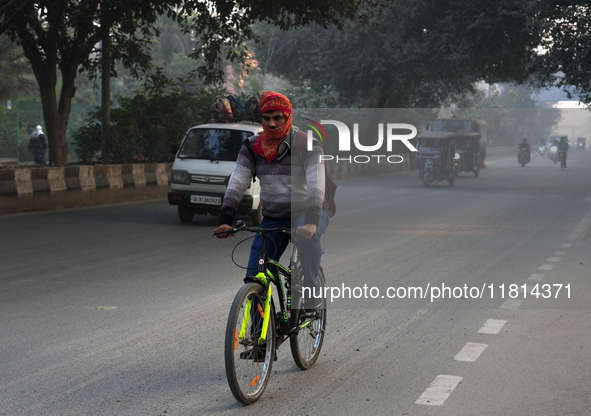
(16, 71)
(425, 52)
(61, 37)
(382, 64)
(567, 46)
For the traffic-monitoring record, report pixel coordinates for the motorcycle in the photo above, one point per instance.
(542, 149)
(553, 153)
(522, 157)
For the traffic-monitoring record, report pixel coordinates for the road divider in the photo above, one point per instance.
(39, 188)
(48, 187)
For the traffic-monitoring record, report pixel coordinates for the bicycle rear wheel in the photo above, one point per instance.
(307, 342)
(248, 365)
(562, 163)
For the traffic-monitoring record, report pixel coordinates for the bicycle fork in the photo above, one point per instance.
(264, 313)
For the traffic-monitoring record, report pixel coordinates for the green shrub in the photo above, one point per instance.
(144, 127)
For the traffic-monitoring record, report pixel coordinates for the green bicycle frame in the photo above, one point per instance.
(269, 271)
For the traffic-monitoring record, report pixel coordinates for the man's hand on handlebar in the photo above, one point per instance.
(306, 230)
(221, 229)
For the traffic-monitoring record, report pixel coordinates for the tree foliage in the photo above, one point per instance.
(17, 76)
(425, 52)
(382, 64)
(567, 45)
(61, 36)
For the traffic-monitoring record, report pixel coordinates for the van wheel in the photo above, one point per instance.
(257, 216)
(186, 214)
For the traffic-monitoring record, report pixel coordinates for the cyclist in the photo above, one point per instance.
(563, 148)
(292, 191)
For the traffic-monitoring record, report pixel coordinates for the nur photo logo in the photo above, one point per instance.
(387, 132)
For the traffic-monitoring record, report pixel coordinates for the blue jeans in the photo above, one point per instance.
(310, 251)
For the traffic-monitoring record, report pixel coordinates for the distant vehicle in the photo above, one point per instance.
(202, 167)
(542, 148)
(471, 125)
(437, 156)
(581, 143)
(468, 150)
(552, 148)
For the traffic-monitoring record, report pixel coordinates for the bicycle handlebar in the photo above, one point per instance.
(241, 226)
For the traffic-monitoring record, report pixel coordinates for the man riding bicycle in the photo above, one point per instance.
(563, 148)
(292, 190)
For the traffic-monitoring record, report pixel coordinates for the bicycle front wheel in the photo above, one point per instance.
(248, 361)
(310, 327)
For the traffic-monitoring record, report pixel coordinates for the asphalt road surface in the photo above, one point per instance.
(121, 310)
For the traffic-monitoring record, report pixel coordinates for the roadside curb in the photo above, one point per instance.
(41, 188)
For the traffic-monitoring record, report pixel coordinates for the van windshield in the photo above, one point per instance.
(213, 144)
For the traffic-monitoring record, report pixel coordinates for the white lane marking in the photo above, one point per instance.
(567, 245)
(492, 326)
(546, 267)
(553, 259)
(470, 352)
(560, 253)
(511, 304)
(582, 227)
(439, 390)
(536, 277)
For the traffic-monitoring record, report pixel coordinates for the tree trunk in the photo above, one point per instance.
(56, 116)
(106, 87)
(56, 124)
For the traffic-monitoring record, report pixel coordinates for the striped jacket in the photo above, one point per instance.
(288, 186)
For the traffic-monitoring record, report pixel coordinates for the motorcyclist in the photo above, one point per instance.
(524, 145)
(563, 148)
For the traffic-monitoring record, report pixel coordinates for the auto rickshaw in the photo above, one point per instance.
(581, 143)
(437, 156)
(468, 147)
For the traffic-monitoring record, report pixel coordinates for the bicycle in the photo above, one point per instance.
(561, 156)
(255, 330)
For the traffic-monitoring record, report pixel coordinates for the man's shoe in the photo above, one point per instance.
(258, 354)
(312, 305)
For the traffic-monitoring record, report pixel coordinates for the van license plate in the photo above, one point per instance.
(209, 200)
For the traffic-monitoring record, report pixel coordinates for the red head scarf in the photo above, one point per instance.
(271, 138)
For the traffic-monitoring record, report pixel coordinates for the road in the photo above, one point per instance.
(121, 310)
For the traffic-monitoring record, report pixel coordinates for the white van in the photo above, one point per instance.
(202, 168)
